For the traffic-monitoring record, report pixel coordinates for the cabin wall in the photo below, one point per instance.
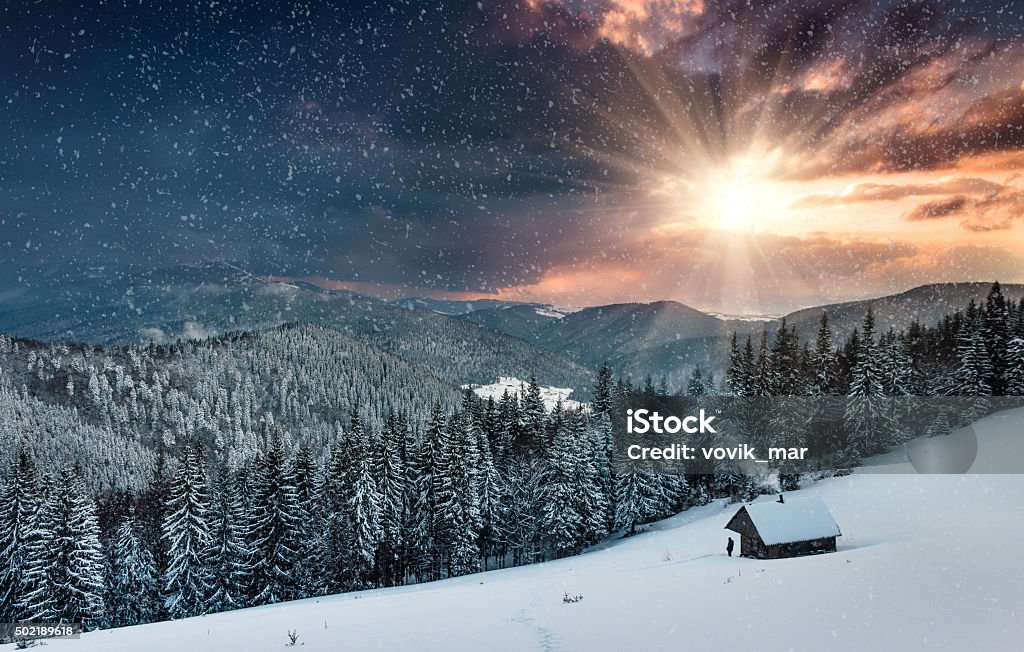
(752, 547)
(798, 548)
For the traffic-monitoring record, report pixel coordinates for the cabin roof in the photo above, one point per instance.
(801, 519)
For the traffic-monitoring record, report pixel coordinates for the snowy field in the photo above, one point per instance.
(514, 386)
(925, 562)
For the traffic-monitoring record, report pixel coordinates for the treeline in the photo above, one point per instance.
(489, 484)
(974, 352)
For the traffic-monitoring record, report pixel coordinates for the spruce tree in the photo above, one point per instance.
(561, 519)
(639, 498)
(274, 526)
(133, 588)
(1015, 367)
(362, 509)
(824, 363)
(228, 557)
(186, 530)
(695, 385)
(391, 484)
(995, 330)
(64, 559)
(309, 522)
(866, 419)
(19, 501)
(456, 506)
(602, 403)
(974, 371)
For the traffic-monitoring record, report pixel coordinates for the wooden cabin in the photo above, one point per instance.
(790, 528)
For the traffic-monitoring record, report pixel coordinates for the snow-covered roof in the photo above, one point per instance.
(800, 519)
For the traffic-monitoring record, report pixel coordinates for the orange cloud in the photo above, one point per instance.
(644, 25)
(875, 192)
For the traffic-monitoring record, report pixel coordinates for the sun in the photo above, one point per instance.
(737, 197)
(734, 205)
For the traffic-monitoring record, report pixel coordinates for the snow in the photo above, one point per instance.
(926, 562)
(550, 395)
(794, 520)
(549, 312)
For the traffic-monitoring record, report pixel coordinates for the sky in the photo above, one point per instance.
(744, 157)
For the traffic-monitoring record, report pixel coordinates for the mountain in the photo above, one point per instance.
(662, 338)
(673, 583)
(452, 307)
(525, 321)
(926, 304)
(669, 338)
(595, 334)
(117, 307)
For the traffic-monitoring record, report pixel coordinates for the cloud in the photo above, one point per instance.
(980, 214)
(938, 209)
(875, 192)
(981, 204)
(763, 273)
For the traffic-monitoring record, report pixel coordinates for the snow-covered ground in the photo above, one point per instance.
(513, 386)
(925, 562)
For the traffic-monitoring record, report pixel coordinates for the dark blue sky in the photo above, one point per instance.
(457, 145)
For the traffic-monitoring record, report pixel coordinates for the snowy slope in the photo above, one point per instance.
(514, 386)
(925, 562)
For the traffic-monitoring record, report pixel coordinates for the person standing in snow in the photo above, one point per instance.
(729, 546)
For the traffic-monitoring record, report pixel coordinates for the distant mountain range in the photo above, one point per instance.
(669, 338)
(458, 341)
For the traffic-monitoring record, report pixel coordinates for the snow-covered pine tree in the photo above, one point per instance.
(132, 587)
(391, 484)
(19, 500)
(763, 384)
(866, 418)
(599, 431)
(592, 498)
(995, 328)
(785, 359)
(508, 426)
(533, 418)
(64, 558)
(424, 556)
(309, 523)
(602, 403)
(362, 510)
(824, 362)
(896, 365)
(639, 498)
(695, 385)
(275, 519)
(456, 504)
(735, 375)
(521, 529)
(561, 519)
(489, 490)
(974, 370)
(1015, 367)
(228, 557)
(151, 513)
(186, 530)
